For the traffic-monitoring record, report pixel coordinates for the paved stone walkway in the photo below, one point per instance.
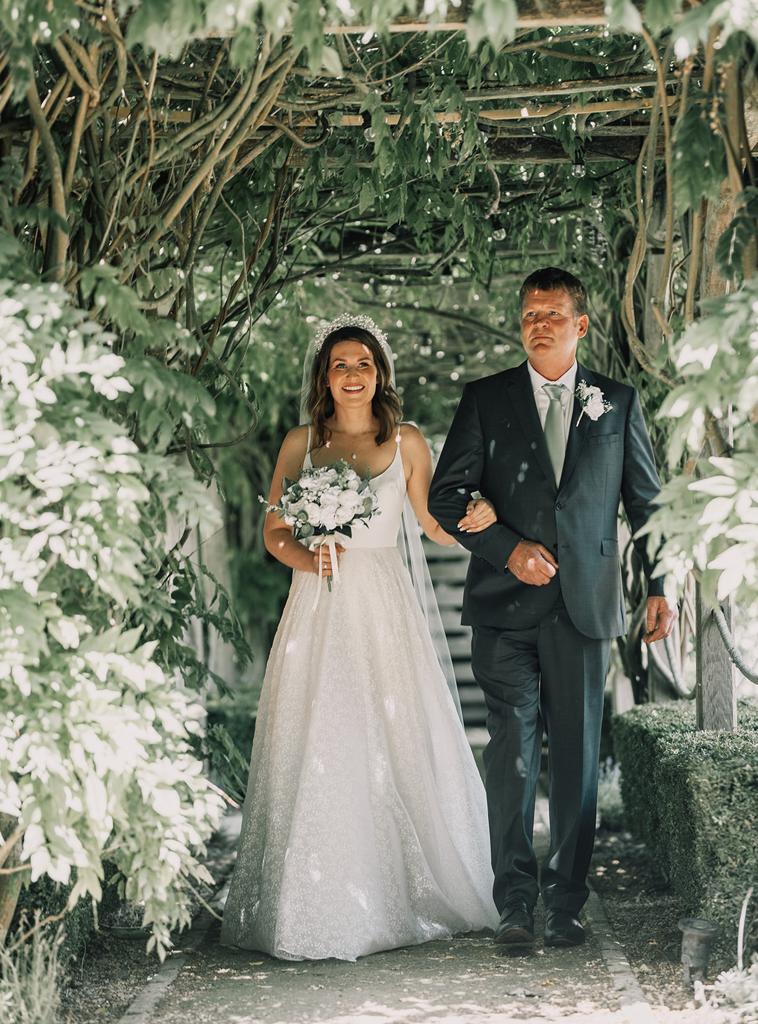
(466, 980)
(460, 980)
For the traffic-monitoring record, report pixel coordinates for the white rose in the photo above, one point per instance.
(313, 511)
(330, 498)
(343, 515)
(329, 518)
(350, 499)
(595, 407)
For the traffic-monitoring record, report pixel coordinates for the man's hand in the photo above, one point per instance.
(660, 619)
(532, 563)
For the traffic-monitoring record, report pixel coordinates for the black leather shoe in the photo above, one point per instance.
(563, 929)
(516, 927)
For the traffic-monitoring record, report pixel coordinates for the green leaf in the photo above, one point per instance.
(699, 159)
(692, 29)
(723, 486)
(308, 31)
(330, 60)
(164, 26)
(623, 16)
(120, 302)
(366, 198)
(491, 20)
(661, 15)
(741, 232)
(44, 216)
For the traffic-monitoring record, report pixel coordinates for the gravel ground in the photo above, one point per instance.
(104, 983)
(643, 913)
(641, 909)
(114, 969)
(465, 979)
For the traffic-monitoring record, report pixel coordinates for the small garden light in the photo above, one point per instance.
(697, 936)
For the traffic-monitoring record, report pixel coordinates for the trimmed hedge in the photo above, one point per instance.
(692, 798)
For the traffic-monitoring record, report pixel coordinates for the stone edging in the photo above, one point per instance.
(624, 979)
(141, 1009)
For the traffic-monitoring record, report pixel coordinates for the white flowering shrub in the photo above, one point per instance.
(96, 735)
(708, 520)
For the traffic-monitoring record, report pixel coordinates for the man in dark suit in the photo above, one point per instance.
(555, 447)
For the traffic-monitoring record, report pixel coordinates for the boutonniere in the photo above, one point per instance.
(592, 401)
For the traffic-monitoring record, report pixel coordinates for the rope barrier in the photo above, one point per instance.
(731, 647)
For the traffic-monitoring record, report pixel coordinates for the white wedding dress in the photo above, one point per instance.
(365, 822)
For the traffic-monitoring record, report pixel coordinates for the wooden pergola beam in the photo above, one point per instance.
(531, 14)
(528, 112)
(515, 92)
(543, 150)
(540, 149)
(390, 261)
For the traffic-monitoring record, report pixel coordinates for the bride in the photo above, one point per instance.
(365, 821)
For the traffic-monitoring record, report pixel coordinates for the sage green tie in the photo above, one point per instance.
(554, 434)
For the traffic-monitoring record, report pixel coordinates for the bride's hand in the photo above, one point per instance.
(479, 515)
(322, 555)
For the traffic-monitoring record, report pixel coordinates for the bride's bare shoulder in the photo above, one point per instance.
(411, 436)
(293, 450)
(414, 447)
(295, 441)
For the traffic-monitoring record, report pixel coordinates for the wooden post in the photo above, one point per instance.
(715, 687)
(10, 885)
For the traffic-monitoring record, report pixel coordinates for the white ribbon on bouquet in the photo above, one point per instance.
(330, 541)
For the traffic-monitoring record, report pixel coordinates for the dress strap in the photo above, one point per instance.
(307, 459)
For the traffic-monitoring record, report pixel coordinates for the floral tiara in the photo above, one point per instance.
(365, 323)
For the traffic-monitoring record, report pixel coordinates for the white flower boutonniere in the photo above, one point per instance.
(592, 401)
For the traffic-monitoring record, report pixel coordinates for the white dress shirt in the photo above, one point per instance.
(542, 399)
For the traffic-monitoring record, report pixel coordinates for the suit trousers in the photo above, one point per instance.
(552, 677)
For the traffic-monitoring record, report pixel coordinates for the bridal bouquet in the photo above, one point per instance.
(324, 501)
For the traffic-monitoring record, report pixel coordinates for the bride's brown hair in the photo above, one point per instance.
(385, 404)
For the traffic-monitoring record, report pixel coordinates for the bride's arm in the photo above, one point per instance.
(417, 461)
(277, 536)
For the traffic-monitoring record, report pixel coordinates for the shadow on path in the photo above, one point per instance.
(465, 979)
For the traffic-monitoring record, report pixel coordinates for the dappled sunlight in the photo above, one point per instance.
(466, 979)
(378, 991)
(190, 198)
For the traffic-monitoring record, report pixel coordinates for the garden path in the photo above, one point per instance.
(466, 980)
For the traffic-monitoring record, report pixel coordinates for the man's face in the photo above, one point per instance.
(550, 327)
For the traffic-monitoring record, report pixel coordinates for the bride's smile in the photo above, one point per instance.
(352, 372)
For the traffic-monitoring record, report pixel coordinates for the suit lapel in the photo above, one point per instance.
(577, 433)
(522, 402)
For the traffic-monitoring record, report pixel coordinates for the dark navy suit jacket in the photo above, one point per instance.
(496, 445)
